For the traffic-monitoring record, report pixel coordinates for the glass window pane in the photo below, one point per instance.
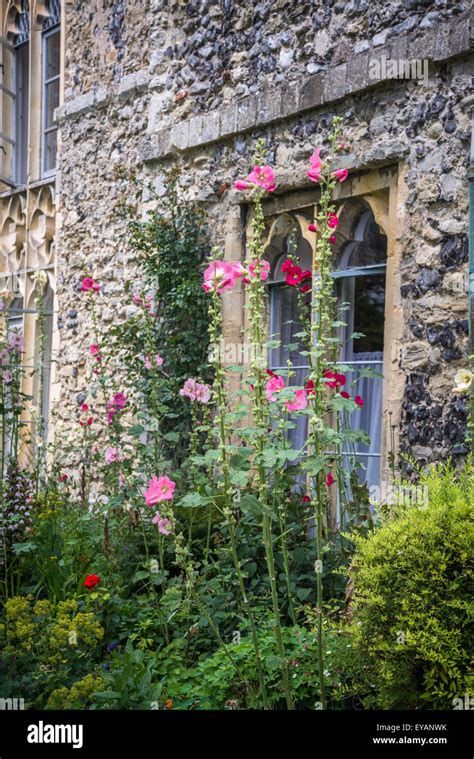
(52, 102)
(52, 55)
(21, 113)
(50, 146)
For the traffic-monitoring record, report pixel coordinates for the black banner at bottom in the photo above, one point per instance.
(99, 733)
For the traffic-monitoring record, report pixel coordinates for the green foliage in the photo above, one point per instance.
(44, 646)
(414, 583)
(170, 247)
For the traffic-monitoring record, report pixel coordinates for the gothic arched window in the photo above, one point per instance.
(359, 276)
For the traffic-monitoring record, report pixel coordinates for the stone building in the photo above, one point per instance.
(91, 86)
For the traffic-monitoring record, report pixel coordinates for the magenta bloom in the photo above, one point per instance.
(241, 185)
(359, 401)
(159, 489)
(89, 284)
(273, 387)
(94, 349)
(163, 524)
(333, 220)
(299, 403)
(314, 173)
(330, 480)
(341, 174)
(260, 176)
(219, 276)
(119, 400)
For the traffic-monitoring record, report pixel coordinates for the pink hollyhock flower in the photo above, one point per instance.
(264, 271)
(111, 455)
(305, 288)
(87, 284)
(359, 401)
(219, 276)
(341, 174)
(111, 411)
(306, 274)
(203, 393)
(137, 299)
(15, 341)
(314, 174)
(333, 220)
(330, 480)
(84, 407)
(147, 361)
(195, 390)
(7, 377)
(332, 239)
(163, 524)
(239, 269)
(262, 176)
(315, 159)
(313, 228)
(241, 185)
(299, 403)
(94, 349)
(158, 360)
(273, 387)
(159, 489)
(4, 358)
(119, 400)
(121, 479)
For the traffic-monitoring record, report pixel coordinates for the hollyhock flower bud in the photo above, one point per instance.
(332, 239)
(330, 480)
(359, 401)
(312, 228)
(340, 174)
(344, 394)
(241, 185)
(163, 524)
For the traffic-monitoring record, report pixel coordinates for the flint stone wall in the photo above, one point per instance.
(198, 83)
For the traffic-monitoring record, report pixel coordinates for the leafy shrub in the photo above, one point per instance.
(413, 598)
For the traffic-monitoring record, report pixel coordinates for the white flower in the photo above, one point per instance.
(463, 379)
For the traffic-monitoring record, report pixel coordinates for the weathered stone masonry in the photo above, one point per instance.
(147, 84)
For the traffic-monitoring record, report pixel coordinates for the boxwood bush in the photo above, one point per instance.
(413, 596)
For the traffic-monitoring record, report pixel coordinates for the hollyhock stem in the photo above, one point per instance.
(260, 409)
(215, 331)
(320, 332)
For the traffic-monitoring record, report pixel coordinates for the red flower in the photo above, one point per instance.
(287, 265)
(330, 480)
(312, 228)
(344, 394)
(91, 581)
(305, 288)
(309, 387)
(306, 499)
(62, 478)
(270, 373)
(89, 284)
(293, 275)
(332, 239)
(359, 400)
(334, 379)
(333, 220)
(84, 407)
(306, 274)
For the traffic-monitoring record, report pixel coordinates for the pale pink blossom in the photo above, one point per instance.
(137, 300)
(7, 377)
(195, 390)
(314, 173)
(159, 489)
(163, 524)
(273, 387)
(111, 455)
(149, 363)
